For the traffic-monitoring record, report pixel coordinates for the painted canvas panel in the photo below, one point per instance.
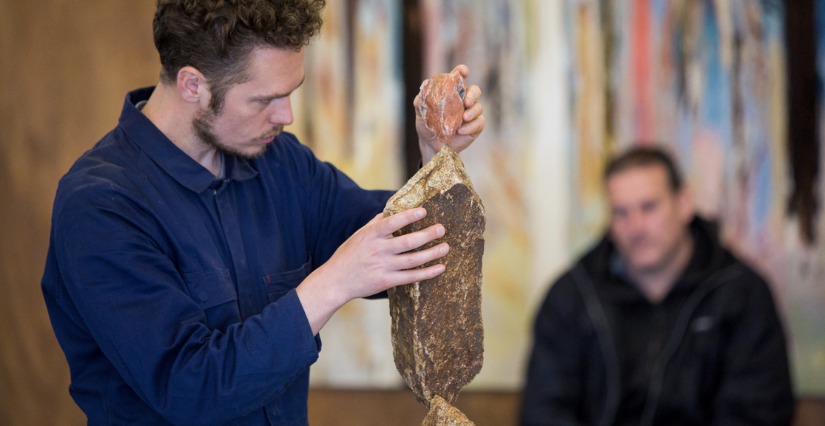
(349, 108)
(349, 112)
(566, 84)
(707, 79)
(490, 37)
(588, 24)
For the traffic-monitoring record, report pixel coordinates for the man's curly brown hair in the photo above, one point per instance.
(216, 37)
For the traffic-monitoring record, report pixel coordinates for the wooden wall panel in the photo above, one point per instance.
(65, 67)
(810, 412)
(330, 407)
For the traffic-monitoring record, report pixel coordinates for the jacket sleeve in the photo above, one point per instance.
(554, 388)
(335, 207)
(756, 385)
(134, 303)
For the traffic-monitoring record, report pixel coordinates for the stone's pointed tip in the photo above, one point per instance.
(443, 414)
(447, 151)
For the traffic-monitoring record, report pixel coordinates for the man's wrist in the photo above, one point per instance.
(320, 298)
(427, 152)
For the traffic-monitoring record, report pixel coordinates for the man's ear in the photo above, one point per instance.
(192, 86)
(687, 209)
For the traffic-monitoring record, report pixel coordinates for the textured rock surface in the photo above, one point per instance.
(443, 414)
(442, 104)
(437, 333)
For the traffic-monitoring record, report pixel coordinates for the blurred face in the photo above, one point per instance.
(648, 221)
(256, 111)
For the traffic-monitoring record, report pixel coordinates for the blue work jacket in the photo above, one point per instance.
(172, 293)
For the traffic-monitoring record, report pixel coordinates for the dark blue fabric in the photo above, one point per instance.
(172, 293)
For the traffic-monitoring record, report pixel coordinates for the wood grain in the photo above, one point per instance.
(65, 67)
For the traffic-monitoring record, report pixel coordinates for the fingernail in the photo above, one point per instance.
(444, 250)
(419, 213)
(439, 231)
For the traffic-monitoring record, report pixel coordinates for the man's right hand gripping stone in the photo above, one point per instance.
(370, 261)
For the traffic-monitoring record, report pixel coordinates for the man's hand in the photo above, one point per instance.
(468, 131)
(369, 262)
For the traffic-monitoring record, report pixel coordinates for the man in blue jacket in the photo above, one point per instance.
(658, 324)
(196, 250)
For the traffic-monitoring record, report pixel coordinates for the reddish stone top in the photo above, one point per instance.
(442, 104)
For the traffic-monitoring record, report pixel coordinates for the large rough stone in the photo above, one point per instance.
(437, 333)
(443, 414)
(442, 104)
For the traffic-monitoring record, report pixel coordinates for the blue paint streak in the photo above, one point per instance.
(717, 111)
(761, 205)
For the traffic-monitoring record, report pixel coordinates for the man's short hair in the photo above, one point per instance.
(644, 156)
(216, 37)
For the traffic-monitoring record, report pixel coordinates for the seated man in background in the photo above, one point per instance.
(658, 324)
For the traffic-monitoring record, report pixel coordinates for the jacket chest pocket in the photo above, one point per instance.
(281, 283)
(215, 293)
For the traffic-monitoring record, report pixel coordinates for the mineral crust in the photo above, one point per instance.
(443, 414)
(437, 332)
(442, 104)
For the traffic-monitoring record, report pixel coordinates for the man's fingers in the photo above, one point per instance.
(473, 128)
(473, 112)
(472, 96)
(416, 239)
(465, 72)
(418, 258)
(386, 227)
(414, 275)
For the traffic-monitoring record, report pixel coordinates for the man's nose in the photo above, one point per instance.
(636, 221)
(282, 112)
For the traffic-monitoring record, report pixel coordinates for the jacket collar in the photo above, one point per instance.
(180, 166)
(605, 265)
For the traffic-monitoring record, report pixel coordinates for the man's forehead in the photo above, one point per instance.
(282, 90)
(275, 71)
(639, 181)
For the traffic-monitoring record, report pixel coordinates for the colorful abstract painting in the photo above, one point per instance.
(565, 85)
(349, 113)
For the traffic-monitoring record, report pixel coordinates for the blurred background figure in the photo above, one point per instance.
(658, 324)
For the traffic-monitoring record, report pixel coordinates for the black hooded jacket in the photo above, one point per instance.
(711, 353)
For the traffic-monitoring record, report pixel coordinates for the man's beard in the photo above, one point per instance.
(202, 123)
